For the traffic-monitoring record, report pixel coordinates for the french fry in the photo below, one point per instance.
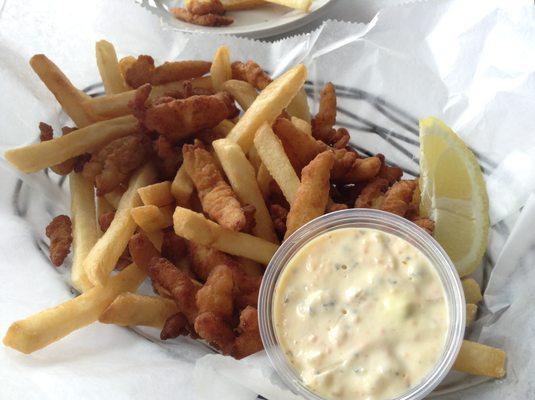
(241, 176)
(303, 5)
(224, 127)
(244, 93)
(151, 218)
(299, 106)
(471, 312)
(35, 157)
(114, 198)
(313, 192)
(116, 105)
(302, 125)
(108, 67)
(268, 106)
(50, 325)
(272, 153)
(158, 194)
(63, 90)
(264, 180)
(236, 5)
(130, 309)
(195, 227)
(472, 291)
(104, 255)
(479, 359)
(125, 63)
(84, 227)
(220, 71)
(182, 187)
(156, 238)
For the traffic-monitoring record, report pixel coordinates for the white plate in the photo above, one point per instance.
(261, 22)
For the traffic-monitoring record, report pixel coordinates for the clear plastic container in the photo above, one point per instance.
(386, 222)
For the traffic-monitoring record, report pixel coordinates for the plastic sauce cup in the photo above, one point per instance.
(382, 221)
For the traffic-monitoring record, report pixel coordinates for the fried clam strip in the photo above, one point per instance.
(50, 325)
(177, 283)
(217, 293)
(323, 124)
(104, 255)
(217, 197)
(248, 340)
(130, 309)
(116, 105)
(372, 195)
(59, 231)
(195, 227)
(215, 330)
(142, 71)
(64, 168)
(313, 193)
(204, 259)
(201, 7)
(111, 166)
(398, 197)
(179, 118)
(35, 157)
(250, 72)
(203, 20)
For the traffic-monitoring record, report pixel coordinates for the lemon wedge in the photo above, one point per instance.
(453, 194)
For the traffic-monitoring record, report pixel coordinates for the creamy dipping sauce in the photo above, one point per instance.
(360, 314)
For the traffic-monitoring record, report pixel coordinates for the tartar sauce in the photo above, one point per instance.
(360, 314)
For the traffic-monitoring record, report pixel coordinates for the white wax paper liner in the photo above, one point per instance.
(472, 66)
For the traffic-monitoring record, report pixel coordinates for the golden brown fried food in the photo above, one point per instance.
(300, 147)
(398, 197)
(142, 250)
(202, 20)
(205, 259)
(250, 72)
(168, 157)
(66, 167)
(111, 166)
(279, 214)
(313, 192)
(426, 224)
(142, 71)
(105, 220)
(343, 162)
(248, 341)
(202, 7)
(413, 212)
(213, 328)
(333, 206)
(177, 283)
(217, 197)
(217, 293)
(179, 118)
(45, 132)
(59, 231)
(362, 170)
(323, 124)
(391, 174)
(173, 246)
(249, 212)
(371, 196)
(209, 135)
(176, 325)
